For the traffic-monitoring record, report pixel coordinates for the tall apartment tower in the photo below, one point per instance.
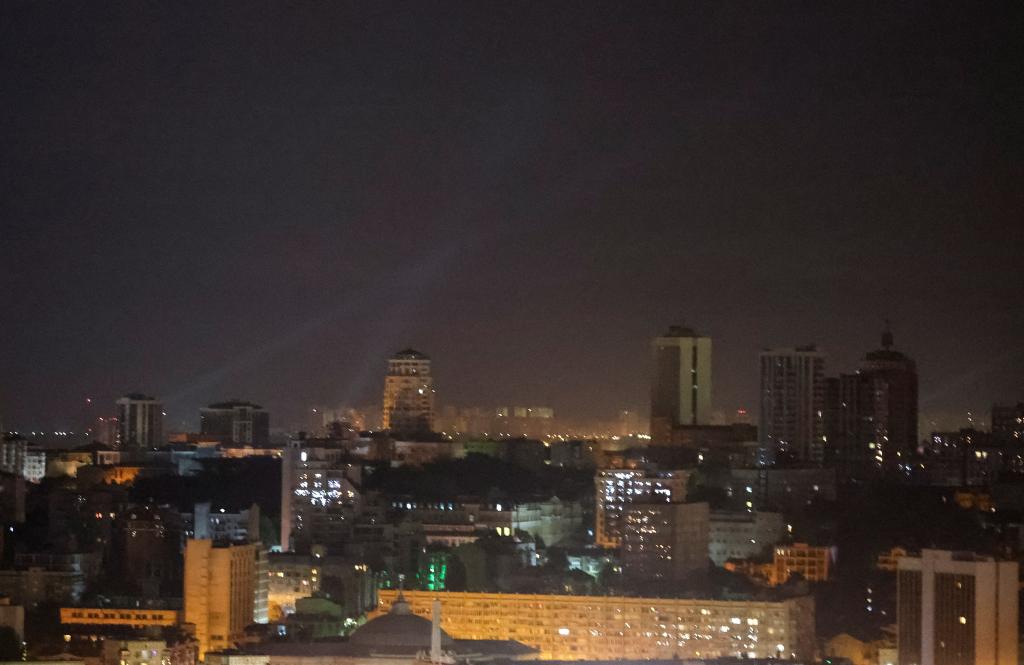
(319, 496)
(225, 591)
(141, 421)
(235, 421)
(872, 415)
(793, 403)
(681, 387)
(408, 394)
(617, 489)
(665, 541)
(956, 609)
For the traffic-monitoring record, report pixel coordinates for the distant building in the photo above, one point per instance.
(225, 591)
(681, 386)
(814, 564)
(182, 651)
(616, 489)
(619, 628)
(42, 578)
(956, 608)
(872, 415)
(141, 421)
(1008, 424)
(665, 541)
(12, 499)
(348, 582)
(782, 488)
(12, 616)
(206, 523)
(236, 422)
(107, 430)
(22, 458)
(319, 496)
(742, 534)
(793, 403)
(408, 406)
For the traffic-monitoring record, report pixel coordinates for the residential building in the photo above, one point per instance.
(130, 617)
(22, 458)
(665, 541)
(220, 525)
(615, 489)
(681, 386)
(347, 582)
(742, 534)
(872, 415)
(814, 564)
(783, 488)
(12, 498)
(621, 628)
(236, 422)
(408, 406)
(225, 591)
(1008, 424)
(956, 609)
(793, 403)
(319, 496)
(141, 421)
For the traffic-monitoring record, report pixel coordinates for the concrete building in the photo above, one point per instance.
(742, 534)
(180, 651)
(1008, 424)
(12, 498)
(236, 422)
(12, 616)
(782, 488)
(793, 402)
(665, 541)
(814, 564)
(319, 496)
(615, 489)
(206, 523)
(22, 458)
(349, 583)
(956, 609)
(681, 386)
(130, 617)
(141, 421)
(633, 629)
(225, 591)
(408, 406)
(871, 416)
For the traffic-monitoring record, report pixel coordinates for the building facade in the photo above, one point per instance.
(681, 386)
(956, 609)
(620, 628)
(236, 422)
(319, 497)
(225, 591)
(408, 406)
(140, 421)
(20, 457)
(793, 403)
(616, 489)
(742, 534)
(665, 541)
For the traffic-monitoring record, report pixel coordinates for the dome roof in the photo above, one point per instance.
(398, 628)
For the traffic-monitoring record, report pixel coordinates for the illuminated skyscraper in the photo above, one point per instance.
(408, 394)
(793, 402)
(141, 420)
(681, 386)
(956, 609)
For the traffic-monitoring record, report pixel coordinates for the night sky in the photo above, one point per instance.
(264, 200)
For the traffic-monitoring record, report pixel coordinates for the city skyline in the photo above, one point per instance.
(534, 203)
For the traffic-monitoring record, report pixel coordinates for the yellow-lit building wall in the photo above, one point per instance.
(105, 616)
(603, 628)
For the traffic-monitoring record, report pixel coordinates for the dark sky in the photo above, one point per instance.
(264, 200)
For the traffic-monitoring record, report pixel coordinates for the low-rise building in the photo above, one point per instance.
(742, 534)
(814, 564)
(609, 628)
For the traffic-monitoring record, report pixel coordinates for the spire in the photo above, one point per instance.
(887, 336)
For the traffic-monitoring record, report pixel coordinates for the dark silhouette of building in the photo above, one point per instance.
(681, 385)
(872, 415)
(236, 422)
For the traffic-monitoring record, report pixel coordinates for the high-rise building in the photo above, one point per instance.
(235, 421)
(871, 416)
(617, 489)
(107, 431)
(319, 496)
(141, 421)
(681, 386)
(408, 394)
(225, 591)
(793, 403)
(665, 541)
(1008, 424)
(956, 609)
